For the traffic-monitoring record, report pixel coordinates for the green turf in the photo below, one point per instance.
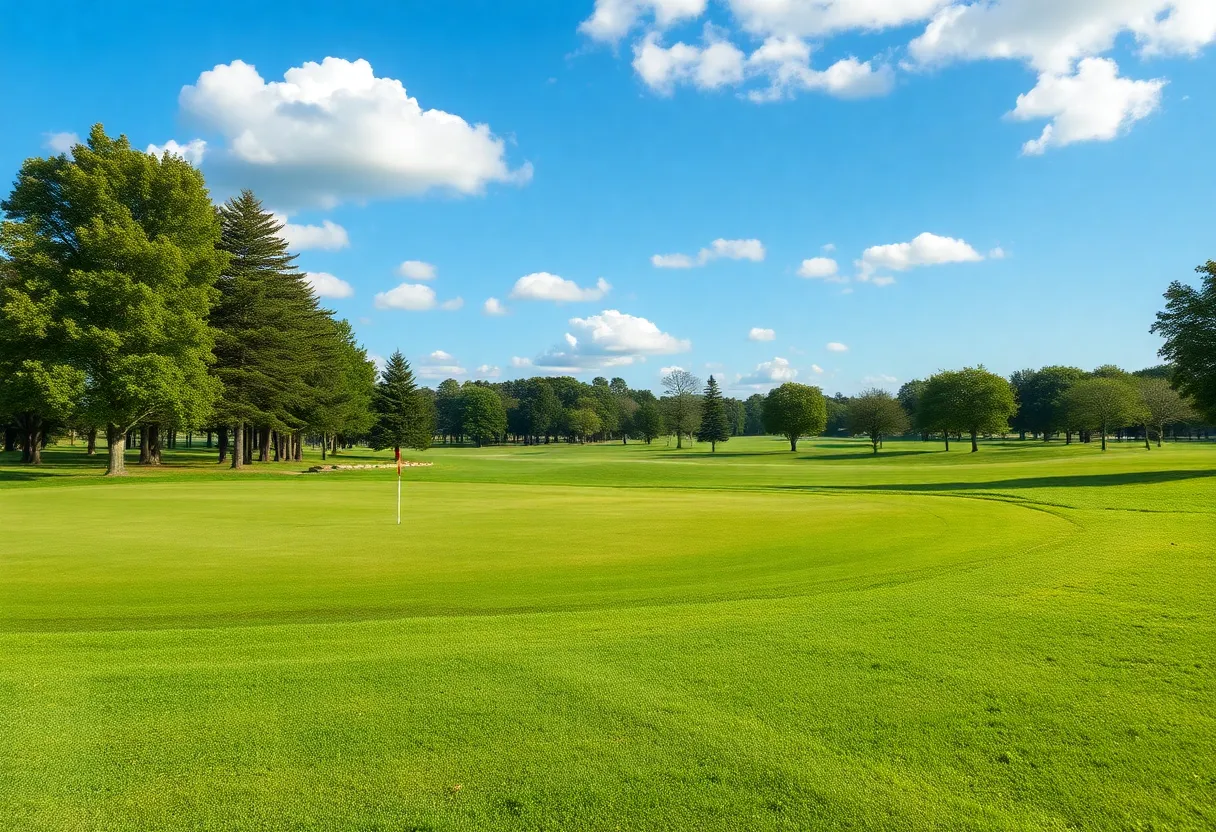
(607, 637)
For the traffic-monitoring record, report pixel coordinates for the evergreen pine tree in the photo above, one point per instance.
(715, 425)
(404, 417)
(273, 338)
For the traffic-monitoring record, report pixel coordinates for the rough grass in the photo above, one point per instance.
(608, 637)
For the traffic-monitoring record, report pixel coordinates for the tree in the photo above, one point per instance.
(795, 410)
(683, 406)
(1040, 398)
(346, 391)
(124, 244)
(714, 426)
(736, 416)
(1103, 403)
(484, 419)
(404, 419)
(648, 421)
(909, 396)
(449, 406)
(583, 422)
(1161, 405)
(1188, 325)
(876, 414)
(753, 418)
(971, 400)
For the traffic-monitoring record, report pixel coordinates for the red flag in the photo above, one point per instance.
(398, 451)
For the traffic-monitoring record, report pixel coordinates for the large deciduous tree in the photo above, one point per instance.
(648, 421)
(683, 406)
(484, 419)
(123, 245)
(1188, 325)
(714, 427)
(1103, 404)
(972, 401)
(1161, 405)
(876, 414)
(403, 417)
(794, 411)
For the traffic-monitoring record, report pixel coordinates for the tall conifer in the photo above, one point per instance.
(715, 425)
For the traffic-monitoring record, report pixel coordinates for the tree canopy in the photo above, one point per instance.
(795, 410)
(876, 414)
(714, 427)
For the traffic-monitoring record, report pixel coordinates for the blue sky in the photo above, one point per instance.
(887, 136)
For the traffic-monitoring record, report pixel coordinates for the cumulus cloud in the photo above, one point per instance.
(925, 250)
(192, 151)
(611, 20)
(489, 371)
(819, 268)
(609, 339)
(440, 355)
(61, 142)
(325, 285)
(768, 374)
(333, 132)
(545, 286)
(880, 379)
(452, 305)
(414, 297)
(417, 270)
(828, 248)
(328, 236)
(1094, 104)
(760, 334)
(816, 369)
(518, 362)
(493, 306)
(997, 253)
(782, 64)
(719, 249)
(836, 346)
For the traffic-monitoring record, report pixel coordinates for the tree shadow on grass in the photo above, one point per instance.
(23, 475)
(814, 457)
(1081, 481)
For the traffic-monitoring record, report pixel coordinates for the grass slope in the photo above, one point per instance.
(609, 637)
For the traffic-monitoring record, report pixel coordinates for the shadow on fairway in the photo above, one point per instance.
(23, 475)
(1082, 481)
(858, 455)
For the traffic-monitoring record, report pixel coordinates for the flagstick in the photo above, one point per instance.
(398, 454)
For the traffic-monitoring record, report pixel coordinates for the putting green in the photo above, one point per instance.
(617, 638)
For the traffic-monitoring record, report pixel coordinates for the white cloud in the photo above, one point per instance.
(417, 270)
(414, 297)
(882, 280)
(440, 356)
(836, 346)
(997, 253)
(815, 18)
(432, 371)
(332, 132)
(545, 286)
(613, 19)
(828, 248)
(925, 250)
(192, 151)
(609, 339)
(1095, 104)
(821, 268)
(719, 249)
(61, 142)
(666, 371)
(493, 306)
(760, 334)
(328, 236)
(518, 362)
(1051, 35)
(325, 285)
(672, 261)
(489, 371)
(816, 369)
(880, 379)
(782, 63)
(768, 374)
(379, 360)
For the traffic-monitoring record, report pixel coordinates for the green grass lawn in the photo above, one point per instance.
(608, 637)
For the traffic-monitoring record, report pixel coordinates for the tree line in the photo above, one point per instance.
(133, 307)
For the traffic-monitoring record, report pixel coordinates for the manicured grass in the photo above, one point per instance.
(609, 637)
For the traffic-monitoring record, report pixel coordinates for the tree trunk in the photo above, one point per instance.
(276, 442)
(154, 443)
(1147, 446)
(793, 444)
(324, 445)
(91, 448)
(264, 445)
(1104, 436)
(143, 445)
(679, 441)
(10, 440)
(713, 447)
(209, 439)
(1160, 434)
(946, 434)
(975, 446)
(238, 444)
(298, 454)
(116, 461)
(32, 451)
(223, 443)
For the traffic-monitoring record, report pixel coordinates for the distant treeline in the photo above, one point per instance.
(133, 308)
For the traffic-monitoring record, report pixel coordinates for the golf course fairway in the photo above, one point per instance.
(611, 637)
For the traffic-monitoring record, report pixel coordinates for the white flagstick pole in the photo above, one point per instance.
(398, 486)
